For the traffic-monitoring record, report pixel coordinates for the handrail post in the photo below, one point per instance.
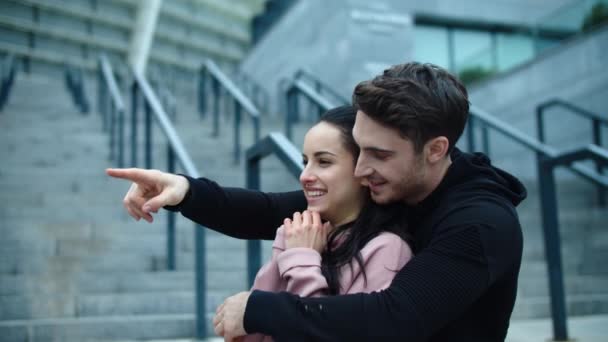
(292, 107)
(318, 89)
(101, 87)
(83, 104)
(540, 125)
(228, 101)
(202, 82)
(256, 129)
(254, 247)
(597, 140)
(215, 86)
(552, 241)
(200, 264)
(148, 135)
(134, 105)
(171, 216)
(112, 131)
(471, 134)
(485, 139)
(121, 138)
(6, 78)
(237, 135)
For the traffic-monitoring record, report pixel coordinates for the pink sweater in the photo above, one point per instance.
(298, 270)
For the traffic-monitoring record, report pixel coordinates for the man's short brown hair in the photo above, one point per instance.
(422, 101)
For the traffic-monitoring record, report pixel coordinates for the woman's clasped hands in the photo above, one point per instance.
(305, 230)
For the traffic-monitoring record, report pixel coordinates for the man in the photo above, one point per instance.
(462, 282)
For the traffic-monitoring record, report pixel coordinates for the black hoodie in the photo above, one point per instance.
(460, 286)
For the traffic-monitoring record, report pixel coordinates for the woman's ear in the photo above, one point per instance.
(436, 149)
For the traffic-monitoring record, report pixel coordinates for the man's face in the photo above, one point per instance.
(388, 164)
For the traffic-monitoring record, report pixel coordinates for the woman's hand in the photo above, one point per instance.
(306, 230)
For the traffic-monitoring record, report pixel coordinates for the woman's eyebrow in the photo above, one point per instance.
(320, 153)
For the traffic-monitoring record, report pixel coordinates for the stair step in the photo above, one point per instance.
(576, 305)
(100, 328)
(114, 304)
(115, 282)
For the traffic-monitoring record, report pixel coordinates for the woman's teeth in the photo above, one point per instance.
(315, 193)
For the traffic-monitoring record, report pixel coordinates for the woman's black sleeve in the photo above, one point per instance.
(237, 212)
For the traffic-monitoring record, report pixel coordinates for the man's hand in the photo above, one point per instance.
(150, 191)
(228, 320)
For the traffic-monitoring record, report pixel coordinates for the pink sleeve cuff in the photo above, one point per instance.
(297, 257)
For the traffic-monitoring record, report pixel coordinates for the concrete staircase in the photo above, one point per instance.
(73, 265)
(48, 34)
(584, 241)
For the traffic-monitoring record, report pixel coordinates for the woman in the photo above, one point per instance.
(361, 245)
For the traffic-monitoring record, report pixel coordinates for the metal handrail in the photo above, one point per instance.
(293, 91)
(572, 107)
(489, 121)
(141, 89)
(166, 126)
(320, 86)
(74, 80)
(273, 144)
(112, 109)
(509, 131)
(548, 159)
(596, 122)
(254, 90)
(9, 70)
(241, 102)
(547, 185)
(311, 81)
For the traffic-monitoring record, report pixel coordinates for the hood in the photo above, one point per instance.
(475, 172)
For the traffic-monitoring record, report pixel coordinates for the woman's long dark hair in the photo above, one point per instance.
(371, 221)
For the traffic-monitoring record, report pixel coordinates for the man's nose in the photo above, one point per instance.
(362, 169)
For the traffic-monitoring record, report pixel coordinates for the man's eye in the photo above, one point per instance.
(381, 156)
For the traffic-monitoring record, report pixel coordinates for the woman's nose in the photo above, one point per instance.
(307, 177)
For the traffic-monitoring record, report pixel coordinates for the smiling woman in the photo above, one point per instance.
(327, 178)
(360, 246)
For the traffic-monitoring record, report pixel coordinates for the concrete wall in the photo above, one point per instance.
(342, 43)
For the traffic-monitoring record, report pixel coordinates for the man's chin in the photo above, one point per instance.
(380, 198)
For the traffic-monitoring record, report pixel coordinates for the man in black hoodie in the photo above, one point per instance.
(462, 283)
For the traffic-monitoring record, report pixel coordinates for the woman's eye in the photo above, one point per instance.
(304, 162)
(324, 162)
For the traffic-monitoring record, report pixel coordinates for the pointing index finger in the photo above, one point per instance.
(132, 174)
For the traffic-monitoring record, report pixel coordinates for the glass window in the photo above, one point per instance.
(472, 49)
(431, 45)
(513, 49)
(546, 43)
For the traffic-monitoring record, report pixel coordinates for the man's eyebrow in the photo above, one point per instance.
(377, 150)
